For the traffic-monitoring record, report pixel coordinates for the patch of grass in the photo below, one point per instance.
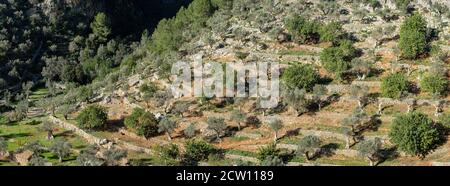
(241, 152)
(239, 138)
(296, 52)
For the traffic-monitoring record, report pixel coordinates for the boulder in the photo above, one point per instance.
(23, 157)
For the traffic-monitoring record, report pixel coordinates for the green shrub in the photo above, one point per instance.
(302, 30)
(142, 122)
(414, 133)
(198, 150)
(92, 117)
(301, 76)
(434, 84)
(331, 32)
(266, 152)
(394, 85)
(337, 58)
(413, 36)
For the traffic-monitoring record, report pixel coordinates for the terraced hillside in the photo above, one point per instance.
(366, 78)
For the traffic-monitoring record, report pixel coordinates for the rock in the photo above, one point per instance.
(159, 116)
(103, 141)
(282, 37)
(24, 157)
(4, 156)
(134, 80)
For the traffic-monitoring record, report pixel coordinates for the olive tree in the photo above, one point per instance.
(3, 146)
(113, 156)
(217, 125)
(167, 125)
(190, 131)
(309, 144)
(48, 127)
(414, 133)
(319, 91)
(87, 157)
(239, 117)
(361, 68)
(351, 125)
(370, 149)
(275, 124)
(360, 93)
(296, 98)
(61, 148)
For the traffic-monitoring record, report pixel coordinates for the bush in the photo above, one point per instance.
(444, 120)
(302, 30)
(394, 85)
(266, 152)
(142, 122)
(337, 58)
(414, 133)
(301, 76)
(332, 32)
(413, 36)
(198, 150)
(434, 84)
(92, 117)
(169, 151)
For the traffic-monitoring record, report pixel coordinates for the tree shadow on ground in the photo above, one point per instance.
(114, 125)
(16, 135)
(67, 133)
(388, 154)
(327, 150)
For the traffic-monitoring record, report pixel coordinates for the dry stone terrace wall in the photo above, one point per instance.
(95, 140)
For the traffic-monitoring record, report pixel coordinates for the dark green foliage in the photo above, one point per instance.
(142, 122)
(402, 5)
(272, 161)
(434, 84)
(303, 30)
(101, 27)
(169, 154)
(169, 33)
(413, 36)
(268, 151)
(414, 133)
(394, 85)
(198, 150)
(301, 77)
(331, 32)
(337, 59)
(444, 120)
(92, 117)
